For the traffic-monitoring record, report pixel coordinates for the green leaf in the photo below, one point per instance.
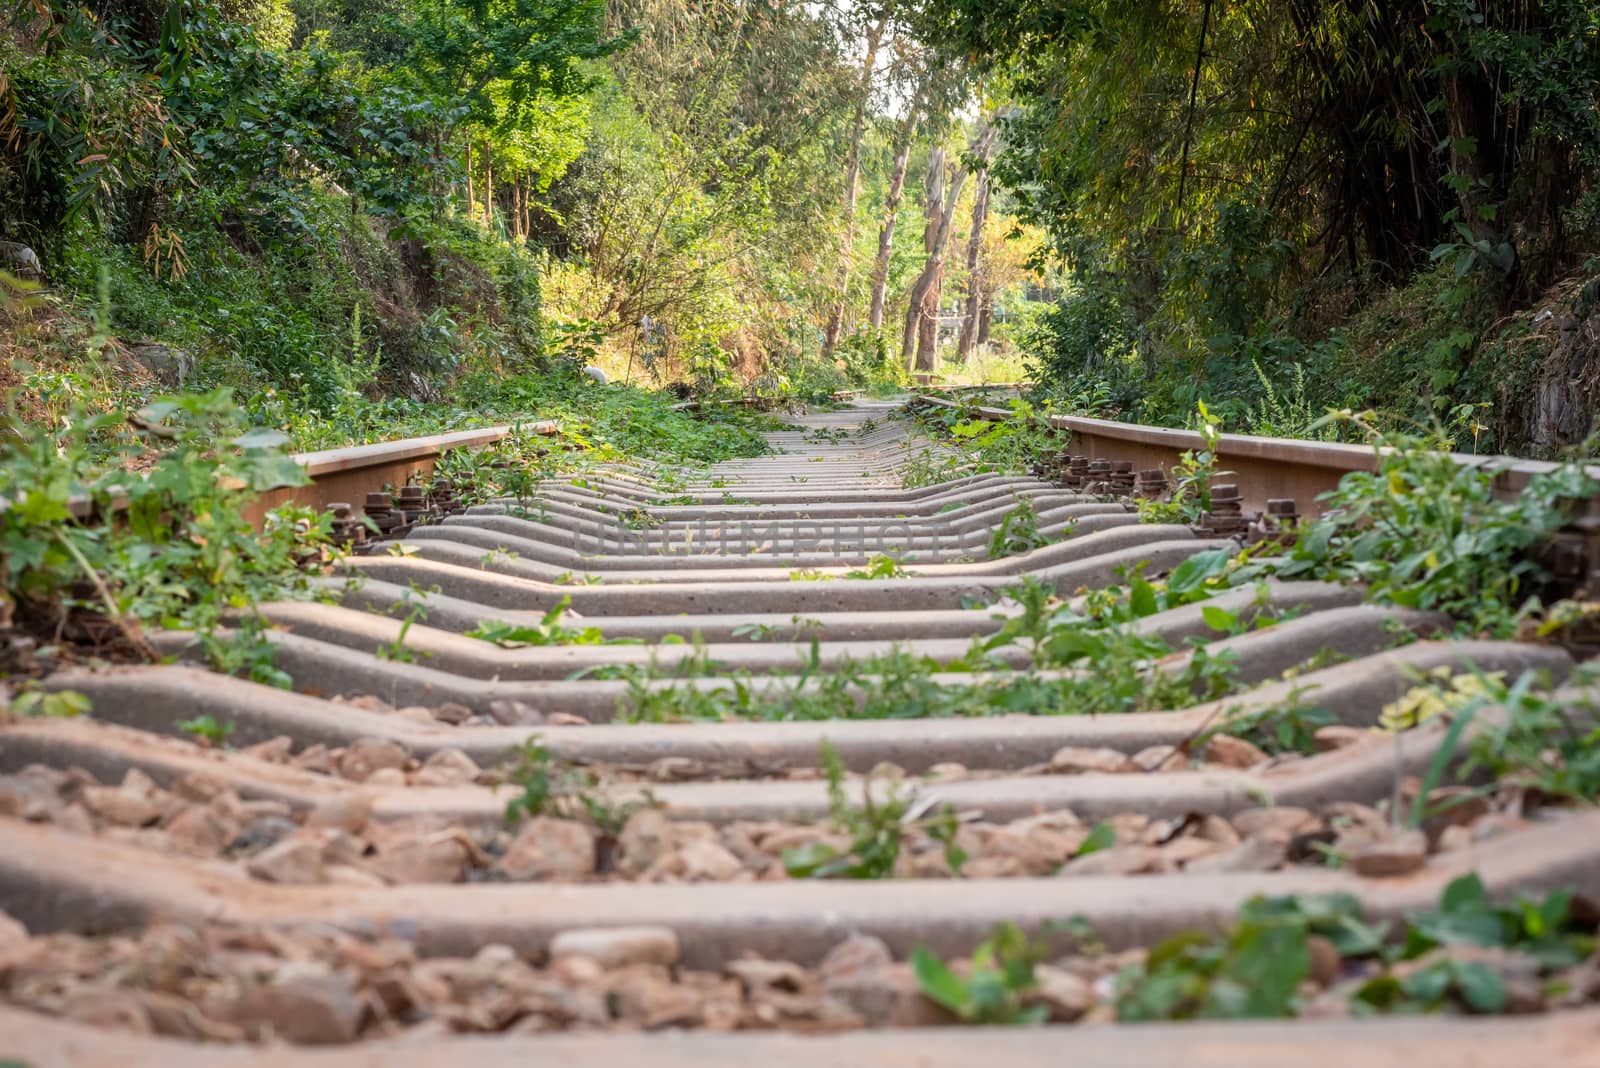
(1103, 836)
(1269, 962)
(808, 860)
(1428, 985)
(1153, 996)
(1193, 572)
(938, 982)
(1465, 893)
(262, 437)
(1481, 987)
(1381, 991)
(1219, 618)
(987, 993)
(1436, 767)
(65, 704)
(1141, 598)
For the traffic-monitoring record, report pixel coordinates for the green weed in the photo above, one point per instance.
(208, 731)
(1423, 531)
(1190, 496)
(997, 983)
(84, 538)
(32, 700)
(876, 831)
(1018, 532)
(550, 630)
(550, 786)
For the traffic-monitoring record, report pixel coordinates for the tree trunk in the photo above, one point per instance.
(986, 313)
(969, 318)
(488, 191)
(436, 172)
(1468, 136)
(891, 207)
(470, 202)
(928, 325)
(936, 239)
(830, 337)
(932, 210)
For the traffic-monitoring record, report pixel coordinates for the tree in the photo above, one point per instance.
(921, 329)
(493, 62)
(1217, 170)
(696, 201)
(904, 132)
(975, 281)
(496, 57)
(879, 23)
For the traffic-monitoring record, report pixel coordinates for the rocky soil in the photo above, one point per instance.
(337, 842)
(324, 986)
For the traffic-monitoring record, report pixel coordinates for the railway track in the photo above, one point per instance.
(581, 763)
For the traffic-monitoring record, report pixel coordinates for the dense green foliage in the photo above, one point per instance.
(178, 554)
(1343, 198)
(333, 207)
(1257, 968)
(1425, 531)
(174, 147)
(1284, 955)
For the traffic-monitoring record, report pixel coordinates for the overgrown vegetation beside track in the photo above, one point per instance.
(113, 526)
(95, 550)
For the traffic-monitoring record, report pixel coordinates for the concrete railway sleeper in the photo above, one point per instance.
(764, 746)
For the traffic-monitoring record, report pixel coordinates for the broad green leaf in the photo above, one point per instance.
(1103, 836)
(1141, 598)
(261, 437)
(1480, 987)
(938, 982)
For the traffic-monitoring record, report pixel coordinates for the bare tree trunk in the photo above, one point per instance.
(928, 315)
(932, 208)
(488, 190)
(934, 235)
(830, 337)
(969, 318)
(470, 208)
(436, 170)
(928, 326)
(891, 207)
(936, 239)
(1467, 133)
(986, 313)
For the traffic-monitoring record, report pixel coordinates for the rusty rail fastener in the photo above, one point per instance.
(347, 529)
(380, 509)
(413, 503)
(1572, 555)
(1151, 484)
(1226, 517)
(1279, 523)
(1097, 479)
(1121, 480)
(442, 496)
(1076, 471)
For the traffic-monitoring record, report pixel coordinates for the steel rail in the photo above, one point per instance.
(1264, 468)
